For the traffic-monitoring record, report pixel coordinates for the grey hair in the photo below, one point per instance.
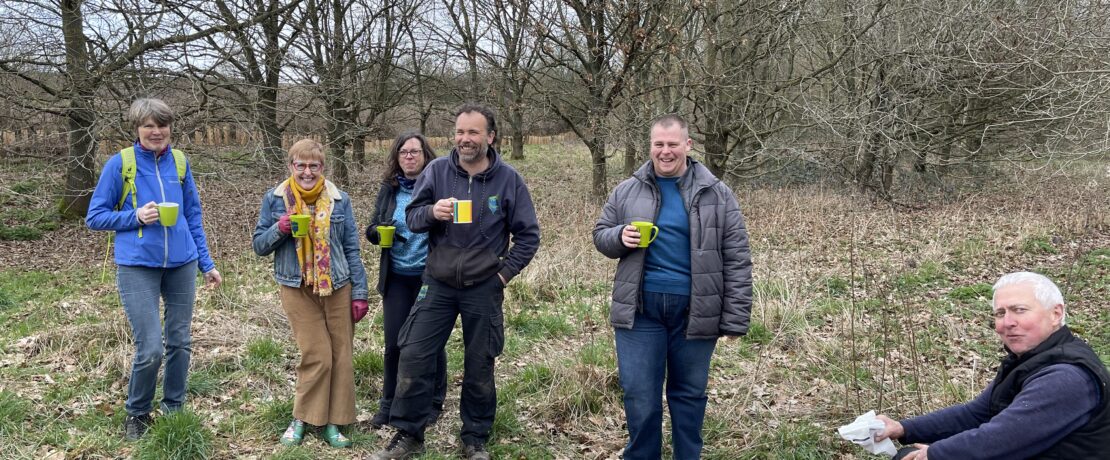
(1045, 291)
(669, 119)
(149, 109)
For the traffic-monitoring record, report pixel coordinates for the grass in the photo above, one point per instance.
(13, 412)
(177, 436)
(857, 307)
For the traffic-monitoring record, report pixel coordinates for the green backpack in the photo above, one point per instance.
(128, 173)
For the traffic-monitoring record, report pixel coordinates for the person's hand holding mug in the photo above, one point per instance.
(444, 209)
(630, 237)
(147, 214)
(283, 224)
(212, 278)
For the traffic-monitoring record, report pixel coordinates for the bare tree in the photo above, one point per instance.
(70, 52)
(591, 49)
(245, 65)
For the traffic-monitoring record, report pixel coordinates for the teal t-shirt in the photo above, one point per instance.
(667, 265)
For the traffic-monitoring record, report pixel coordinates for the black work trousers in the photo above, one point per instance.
(397, 303)
(426, 331)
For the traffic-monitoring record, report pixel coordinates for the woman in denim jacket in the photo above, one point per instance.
(322, 287)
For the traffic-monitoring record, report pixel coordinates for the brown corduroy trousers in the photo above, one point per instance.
(324, 333)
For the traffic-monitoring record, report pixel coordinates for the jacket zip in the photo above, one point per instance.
(643, 262)
(165, 230)
(459, 263)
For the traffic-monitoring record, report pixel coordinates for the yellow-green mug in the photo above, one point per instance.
(300, 224)
(385, 235)
(167, 213)
(646, 228)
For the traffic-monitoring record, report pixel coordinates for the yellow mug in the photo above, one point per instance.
(300, 224)
(385, 235)
(167, 213)
(646, 228)
(463, 211)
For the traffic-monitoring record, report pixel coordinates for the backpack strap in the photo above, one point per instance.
(127, 172)
(179, 162)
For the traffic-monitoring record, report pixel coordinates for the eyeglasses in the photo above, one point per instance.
(314, 167)
(410, 153)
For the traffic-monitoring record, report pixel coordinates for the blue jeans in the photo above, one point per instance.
(139, 291)
(655, 349)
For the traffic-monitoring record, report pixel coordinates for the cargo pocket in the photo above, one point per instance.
(406, 327)
(497, 333)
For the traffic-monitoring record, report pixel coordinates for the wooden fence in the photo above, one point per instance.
(231, 136)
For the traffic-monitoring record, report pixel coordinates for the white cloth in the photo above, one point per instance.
(862, 431)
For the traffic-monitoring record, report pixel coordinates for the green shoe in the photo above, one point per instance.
(334, 437)
(294, 435)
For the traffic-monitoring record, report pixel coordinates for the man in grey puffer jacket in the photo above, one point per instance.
(674, 298)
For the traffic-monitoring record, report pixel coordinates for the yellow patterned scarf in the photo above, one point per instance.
(316, 273)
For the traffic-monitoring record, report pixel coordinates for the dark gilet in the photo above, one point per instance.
(1090, 441)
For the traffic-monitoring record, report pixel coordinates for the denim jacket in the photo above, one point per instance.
(346, 260)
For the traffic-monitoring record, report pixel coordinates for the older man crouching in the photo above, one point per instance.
(1049, 399)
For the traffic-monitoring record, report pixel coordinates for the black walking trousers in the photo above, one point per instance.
(426, 331)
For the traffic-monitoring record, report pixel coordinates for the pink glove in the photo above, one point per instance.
(284, 226)
(359, 308)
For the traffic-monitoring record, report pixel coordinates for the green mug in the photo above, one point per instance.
(300, 224)
(167, 213)
(385, 235)
(646, 228)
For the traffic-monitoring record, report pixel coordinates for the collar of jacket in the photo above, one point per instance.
(333, 191)
(139, 149)
(1060, 336)
(494, 163)
(697, 176)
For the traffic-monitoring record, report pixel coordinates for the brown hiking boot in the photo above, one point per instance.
(403, 446)
(475, 452)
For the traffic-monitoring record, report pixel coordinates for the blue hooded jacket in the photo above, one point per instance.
(155, 180)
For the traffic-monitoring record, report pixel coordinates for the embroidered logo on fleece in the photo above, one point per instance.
(492, 201)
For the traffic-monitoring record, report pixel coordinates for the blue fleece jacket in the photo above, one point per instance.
(1054, 402)
(502, 208)
(155, 180)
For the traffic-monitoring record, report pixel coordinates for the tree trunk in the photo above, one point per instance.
(267, 123)
(516, 120)
(358, 151)
(596, 144)
(81, 161)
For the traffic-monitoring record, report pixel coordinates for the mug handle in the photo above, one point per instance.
(654, 233)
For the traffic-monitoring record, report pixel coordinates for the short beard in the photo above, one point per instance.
(483, 150)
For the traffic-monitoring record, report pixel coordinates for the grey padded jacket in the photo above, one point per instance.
(720, 259)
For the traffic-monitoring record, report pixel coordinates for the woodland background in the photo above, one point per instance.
(893, 158)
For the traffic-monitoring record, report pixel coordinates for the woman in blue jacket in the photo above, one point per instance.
(154, 260)
(402, 265)
(322, 288)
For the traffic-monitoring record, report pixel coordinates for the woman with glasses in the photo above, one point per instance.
(157, 257)
(309, 226)
(403, 263)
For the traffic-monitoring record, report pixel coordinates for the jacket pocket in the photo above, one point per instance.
(462, 267)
